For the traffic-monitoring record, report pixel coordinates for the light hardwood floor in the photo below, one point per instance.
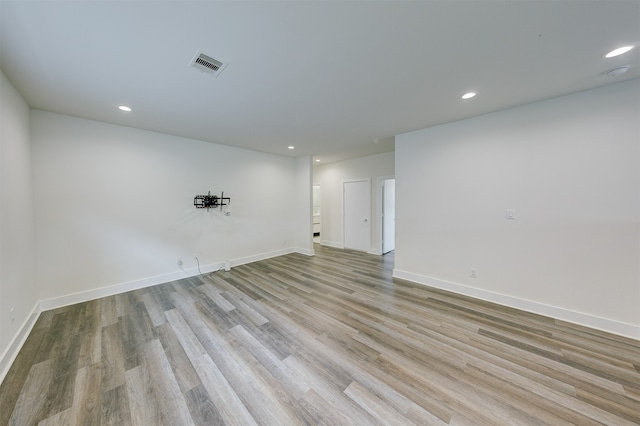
(330, 339)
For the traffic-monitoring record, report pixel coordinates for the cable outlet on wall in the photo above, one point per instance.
(473, 273)
(227, 265)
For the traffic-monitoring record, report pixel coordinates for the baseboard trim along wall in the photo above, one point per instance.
(591, 321)
(11, 352)
(70, 299)
(16, 344)
(611, 326)
(306, 252)
(332, 244)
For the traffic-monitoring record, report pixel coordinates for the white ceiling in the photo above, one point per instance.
(336, 79)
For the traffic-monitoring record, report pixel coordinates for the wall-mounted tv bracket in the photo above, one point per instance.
(211, 201)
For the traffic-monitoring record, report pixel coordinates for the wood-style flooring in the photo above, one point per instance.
(324, 340)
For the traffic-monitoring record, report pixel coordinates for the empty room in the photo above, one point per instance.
(320, 212)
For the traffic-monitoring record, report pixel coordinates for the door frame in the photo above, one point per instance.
(379, 187)
(313, 187)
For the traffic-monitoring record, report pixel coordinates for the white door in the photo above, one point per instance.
(388, 215)
(357, 211)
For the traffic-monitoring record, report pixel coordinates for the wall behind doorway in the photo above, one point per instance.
(331, 177)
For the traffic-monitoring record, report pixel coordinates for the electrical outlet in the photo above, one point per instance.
(179, 260)
(12, 315)
(473, 273)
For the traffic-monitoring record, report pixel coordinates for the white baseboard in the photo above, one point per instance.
(11, 352)
(84, 296)
(15, 345)
(337, 245)
(591, 321)
(332, 244)
(261, 256)
(306, 252)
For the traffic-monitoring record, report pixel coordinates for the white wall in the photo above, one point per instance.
(331, 177)
(17, 241)
(303, 220)
(569, 167)
(115, 206)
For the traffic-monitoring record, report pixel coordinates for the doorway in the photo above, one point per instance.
(317, 217)
(357, 212)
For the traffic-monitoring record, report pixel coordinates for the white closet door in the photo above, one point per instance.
(357, 212)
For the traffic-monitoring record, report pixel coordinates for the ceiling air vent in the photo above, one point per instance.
(207, 64)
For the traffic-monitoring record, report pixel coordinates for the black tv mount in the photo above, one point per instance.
(211, 201)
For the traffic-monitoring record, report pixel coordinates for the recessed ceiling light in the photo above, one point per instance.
(619, 51)
(124, 108)
(468, 95)
(317, 160)
(616, 72)
(291, 147)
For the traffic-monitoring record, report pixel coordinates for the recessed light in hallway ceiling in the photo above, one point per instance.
(618, 71)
